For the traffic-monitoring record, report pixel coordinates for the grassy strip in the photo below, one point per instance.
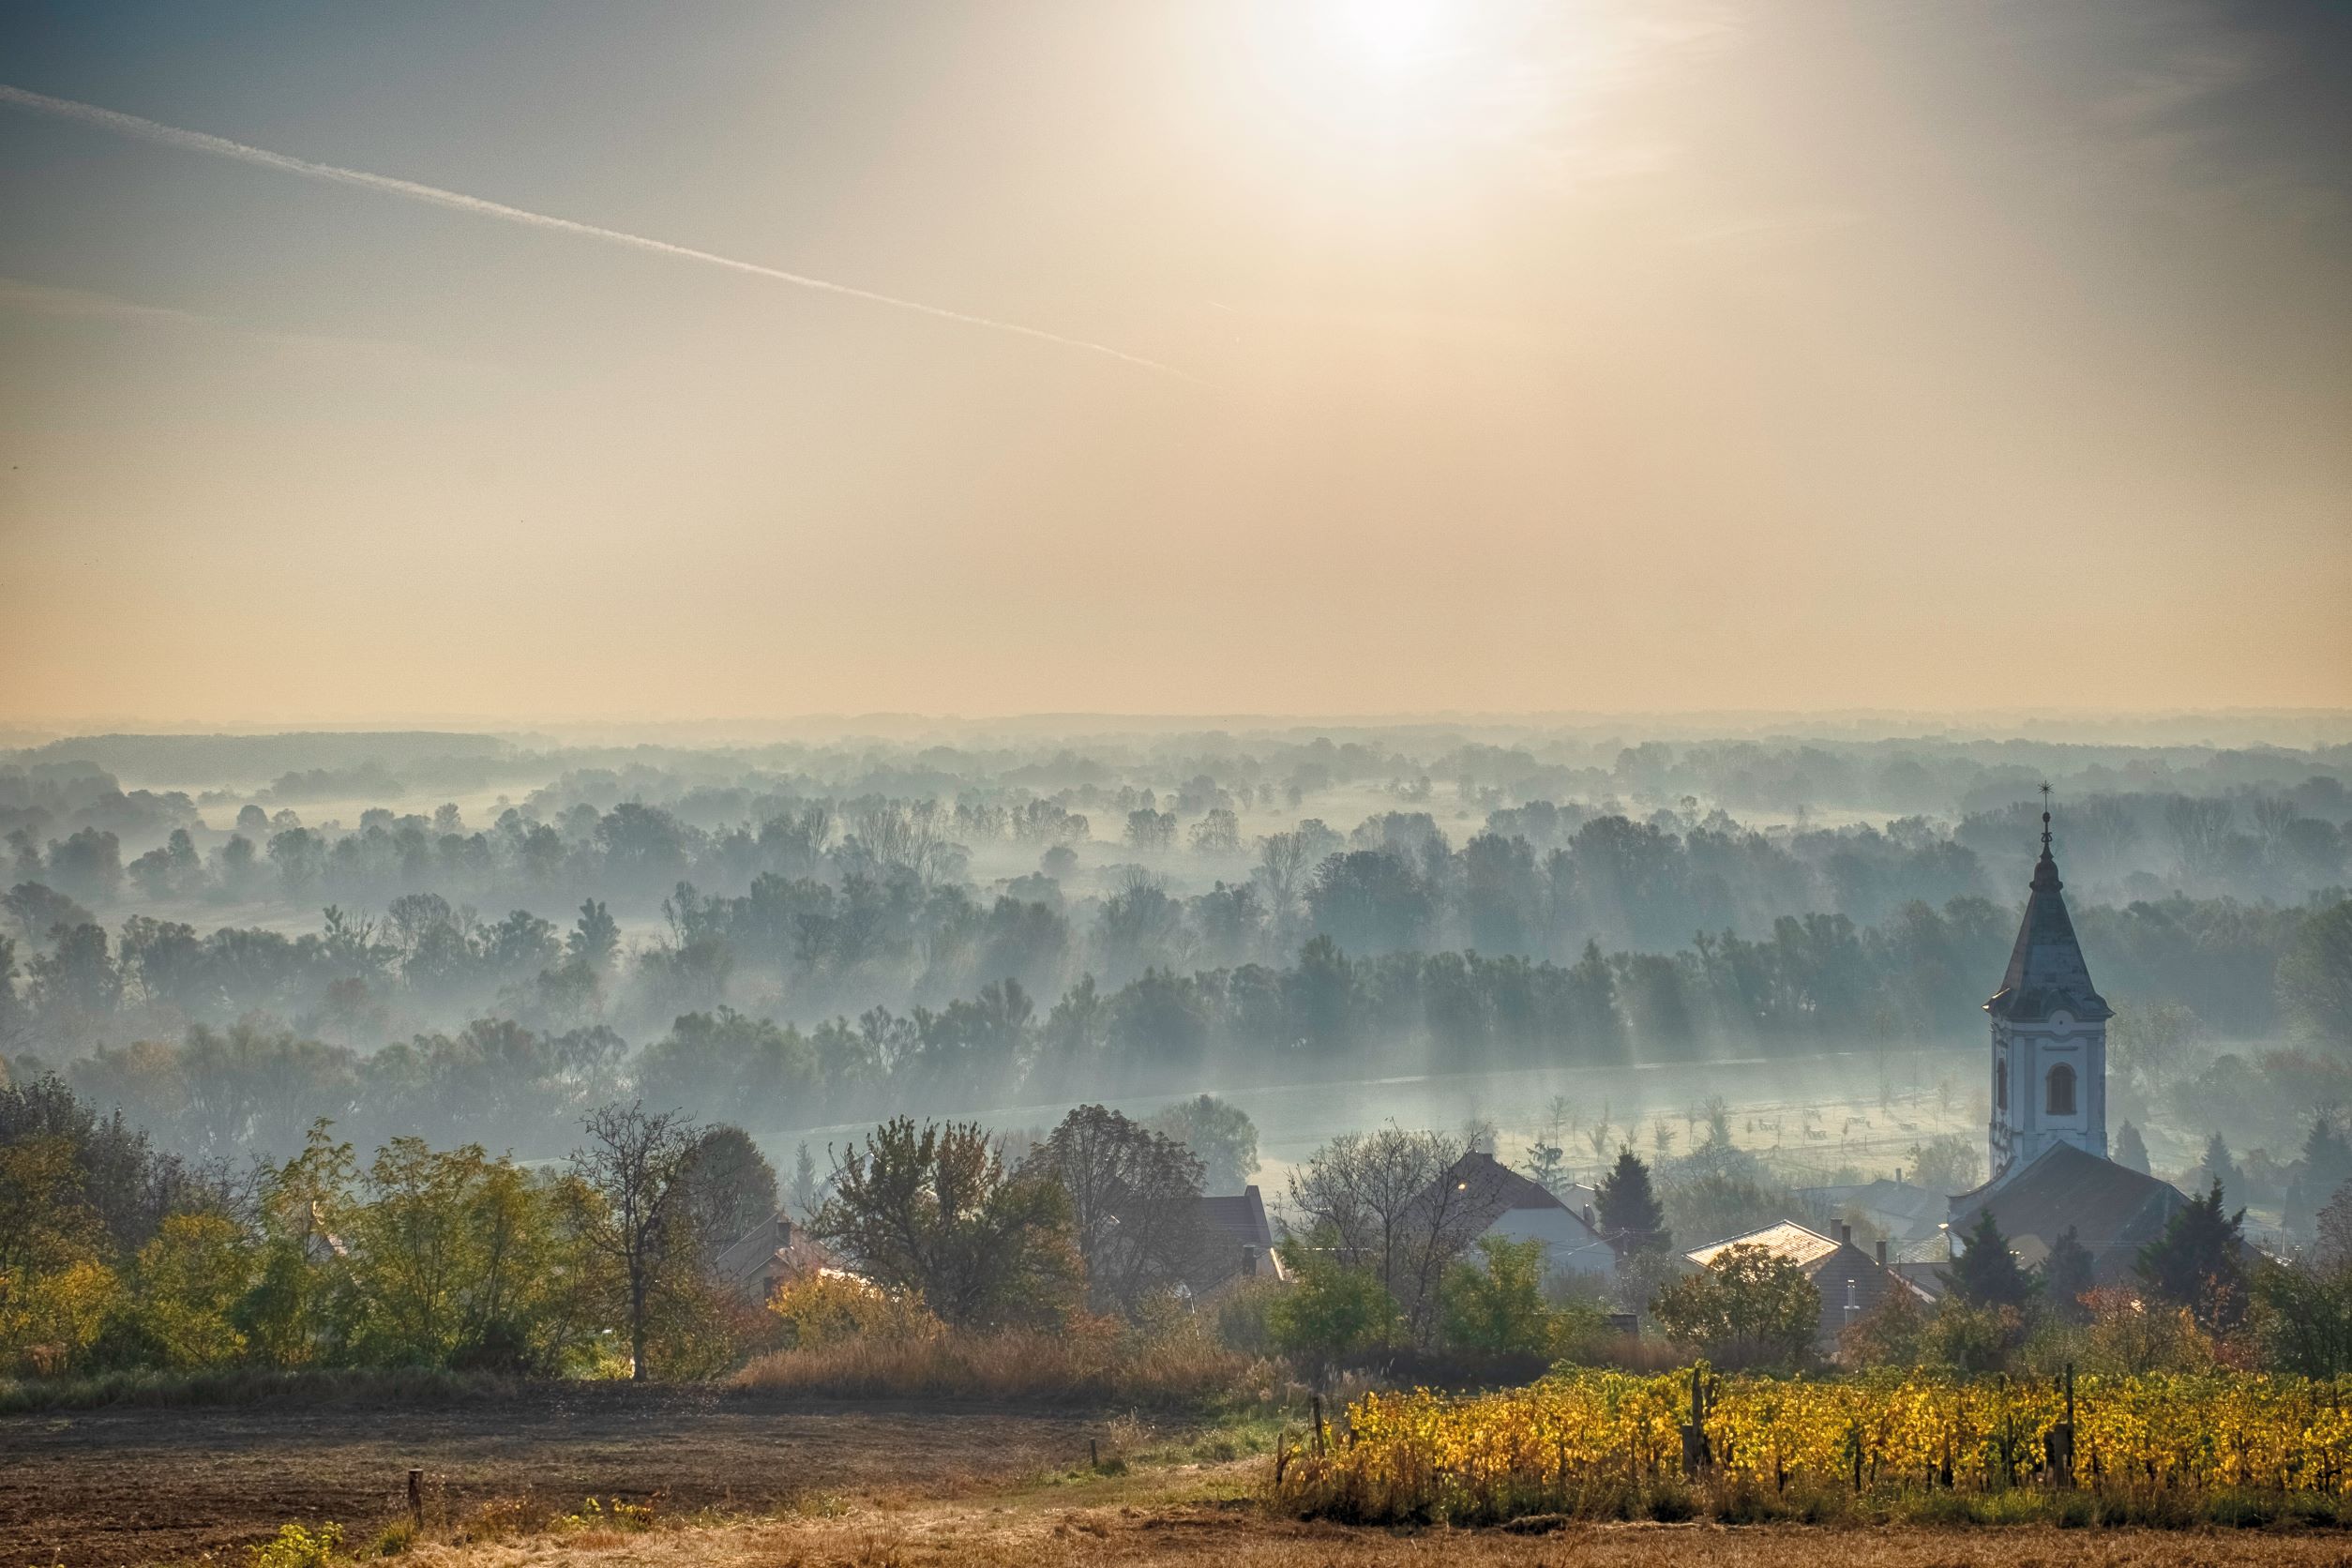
(249, 1386)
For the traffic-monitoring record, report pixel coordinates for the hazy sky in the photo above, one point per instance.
(1520, 356)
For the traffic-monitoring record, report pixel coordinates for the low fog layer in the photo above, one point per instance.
(476, 937)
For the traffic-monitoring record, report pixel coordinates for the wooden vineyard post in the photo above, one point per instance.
(416, 1499)
(2061, 1438)
(1695, 1429)
(1094, 1454)
(1320, 1441)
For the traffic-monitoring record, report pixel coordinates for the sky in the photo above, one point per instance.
(1200, 356)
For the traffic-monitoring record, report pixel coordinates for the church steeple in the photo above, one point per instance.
(2046, 972)
(2049, 1032)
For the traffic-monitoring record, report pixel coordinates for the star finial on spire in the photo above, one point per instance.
(2045, 816)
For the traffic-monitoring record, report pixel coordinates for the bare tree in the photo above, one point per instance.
(1282, 869)
(909, 834)
(1403, 1204)
(2273, 816)
(632, 1161)
(2199, 825)
(1135, 1204)
(1599, 1134)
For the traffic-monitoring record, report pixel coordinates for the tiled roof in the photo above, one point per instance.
(1917, 1209)
(1789, 1239)
(1241, 1218)
(2112, 1209)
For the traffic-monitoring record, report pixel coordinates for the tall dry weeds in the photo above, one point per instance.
(1089, 1363)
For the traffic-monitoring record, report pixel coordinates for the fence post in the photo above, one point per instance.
(416, 1499)
(1320, 1441)
(2061, 1441)
(1694, 1430)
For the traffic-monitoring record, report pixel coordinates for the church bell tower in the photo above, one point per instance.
(2049, 1067)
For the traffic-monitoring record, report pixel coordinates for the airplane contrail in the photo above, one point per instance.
(201, 141)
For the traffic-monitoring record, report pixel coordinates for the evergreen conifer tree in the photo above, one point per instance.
(2198, 1262)
(1630, 1215)
(2327, 1158)
(2218, 1166)
(2131, 1149)
(2066, 1274)
(1987, 1272)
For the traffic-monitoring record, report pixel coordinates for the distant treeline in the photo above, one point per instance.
(838, 907)
(1814, 982)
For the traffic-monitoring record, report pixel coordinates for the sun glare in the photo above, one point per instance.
(1381, 38)
(1359, 74)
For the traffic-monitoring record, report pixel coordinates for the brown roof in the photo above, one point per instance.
(1240, 1218)
(2113, 1210)
(770, 1251)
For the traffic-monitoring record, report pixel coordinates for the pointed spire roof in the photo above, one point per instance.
(2046, 972)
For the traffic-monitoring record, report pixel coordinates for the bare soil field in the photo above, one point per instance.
(126, 1484)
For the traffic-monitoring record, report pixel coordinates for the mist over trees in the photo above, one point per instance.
(800, 935)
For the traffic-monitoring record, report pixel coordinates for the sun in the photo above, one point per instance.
(1374, 90)
(1380, 37)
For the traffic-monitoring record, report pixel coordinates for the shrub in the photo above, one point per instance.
(1748, 1305)
(1244, 1315)
(294, 1547)
(827, 1307)
(1331, 1311)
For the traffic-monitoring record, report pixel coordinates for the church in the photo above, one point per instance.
(2047, 1135)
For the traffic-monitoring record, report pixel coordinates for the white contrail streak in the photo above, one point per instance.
(197, 141)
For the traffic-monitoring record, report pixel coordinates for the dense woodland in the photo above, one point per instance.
(807, 935)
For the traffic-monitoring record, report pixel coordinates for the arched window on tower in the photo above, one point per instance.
(2061, 1089)
(2001, 1086)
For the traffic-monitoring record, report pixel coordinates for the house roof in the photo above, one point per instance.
(1916, 1209)
(1866, 1279)
(1241, 1217)
(773, 1241)
(1797, 1243)
(1484, 1189)
(1499, 1186)
(2112, 1209)
(2046, 972)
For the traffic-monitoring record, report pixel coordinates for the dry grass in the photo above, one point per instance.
(1089, 1364)
(1169, 1520)
(248, 1385)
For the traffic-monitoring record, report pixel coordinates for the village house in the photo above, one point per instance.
(1240, 1243)
(765, 1258)
(1492, 1199)
(1852, 1282)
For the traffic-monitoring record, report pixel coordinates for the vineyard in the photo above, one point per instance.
(2240, 1447)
